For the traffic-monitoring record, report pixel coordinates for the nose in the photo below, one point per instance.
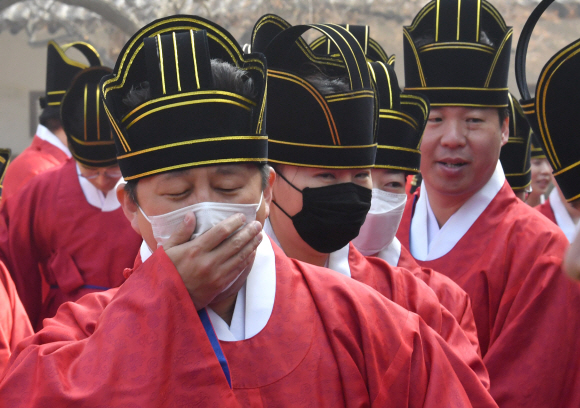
(545, 169)
(454, 134)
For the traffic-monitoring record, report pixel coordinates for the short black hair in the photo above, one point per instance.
(50, 118)
(502, 113)
(131, 186)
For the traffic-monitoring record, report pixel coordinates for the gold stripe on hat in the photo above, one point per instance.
(518, 174)
(412, 44)
(124, 143)
(351, 51)
(321, 146)
(478, 16)
(494, 13)
(414, 126)
(317, 166)
(499, 50)
(176, 62)
(457, 45)
(85, 111)
(194, 58)
(98, 115)
(422, 13)
(404, 149)
(94, 143)
(437, 22)
(161, 62)
(458, 17)
(55, 92)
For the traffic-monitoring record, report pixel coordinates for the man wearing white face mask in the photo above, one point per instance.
(285, 333)
(322, 192)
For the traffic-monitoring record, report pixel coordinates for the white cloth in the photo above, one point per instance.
(255, 300)
(392, 253)
(428, 241)
(46, 135)
(96, 198)
(337, 261)
(563, 218)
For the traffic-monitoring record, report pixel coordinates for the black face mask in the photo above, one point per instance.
(331, 216)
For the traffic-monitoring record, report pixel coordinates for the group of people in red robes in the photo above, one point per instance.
(214, 225)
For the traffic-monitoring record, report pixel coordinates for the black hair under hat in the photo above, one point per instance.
(372, 49)
(87, 127)
(553, 113)
(402, 120)
(447, 59)
(515, 154)
(306, 128)
(4, 162)
(60, 70)
(188, 122)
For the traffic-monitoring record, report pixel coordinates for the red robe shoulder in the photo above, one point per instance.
(14, 323)
(35, 159)
(547, 210)
(49, 230)
(143, 345)
(509, 264)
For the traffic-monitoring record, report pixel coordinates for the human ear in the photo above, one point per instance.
(505, 130)
(130, 208)
(268, 192)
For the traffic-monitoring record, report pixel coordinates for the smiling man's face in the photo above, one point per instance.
(460, 149)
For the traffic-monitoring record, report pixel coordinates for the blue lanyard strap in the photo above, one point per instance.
(215, 344)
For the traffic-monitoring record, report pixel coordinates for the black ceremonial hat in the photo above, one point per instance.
(537, 150)
(457, 53)
(60, 70)
(515, 154)
(306, 128)
(85, 122)
(372, 49)
(4, 162)
(553, 113)
(189, 121)
(402, 120)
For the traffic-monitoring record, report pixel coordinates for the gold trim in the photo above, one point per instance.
(85, 111)
(419, 17)
(98, 113)
(319, 98)
(55, 92)
(82, 159)
(441, 46)
(404, 149)
(384, 166)
(194, 58)
(262, 110)
(86, 143)
(366, 39)
(165, 98)
(569, 200)
(390, 85)
(445, 44)
(352, 52)
(2, 160)
(478, 17)
(528, 105)
(458, 18)
(124, 143)
(516, 139)
(498, 53)
(402, 119)
(518, 174)
(565, 169)
(190, 142)
(194, 102)
(495, 14)
(423, 105)
(160, 46)
(194, 164)
(86, 44)
(412, 44)
(53, 103)
(475, 105)
(346, 98)
(456, 88)
(347, 94)
(321, 146)
(437, 22)
(176, 62)
(372, 71)
(67, 60)
(391, 60)
(315, 166)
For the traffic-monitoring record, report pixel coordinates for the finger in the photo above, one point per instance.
(239, 276)
(237, 241)
(183, 233)
(220, 232)
(231, 267)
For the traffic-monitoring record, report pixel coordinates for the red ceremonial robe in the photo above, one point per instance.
(546, 209)
(455, 299)
(402, 287)
(330, 342)
(35, 159)
(14, 323)
(525, 309)
(48, 228)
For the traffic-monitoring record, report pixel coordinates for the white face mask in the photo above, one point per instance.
(381, 223)
(207, 214)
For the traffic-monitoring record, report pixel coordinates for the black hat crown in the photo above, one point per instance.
(457, 53)
(4, 162)
(515, 156)
(91, 139)
(307, 128)
(372, 49)
(553, 113)
(537, 150)
(60, 69)
(188, 122)
(402, 120)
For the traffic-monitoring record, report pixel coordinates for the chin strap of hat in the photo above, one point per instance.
(522, 48)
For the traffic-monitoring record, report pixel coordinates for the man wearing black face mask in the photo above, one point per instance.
(321, 144)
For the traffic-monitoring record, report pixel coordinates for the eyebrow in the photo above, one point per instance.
(228, 169)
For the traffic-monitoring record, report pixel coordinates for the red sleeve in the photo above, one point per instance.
(141, 345)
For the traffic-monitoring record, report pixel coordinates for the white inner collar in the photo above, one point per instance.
(337, 260)
(46, 135)
(428, 241)
(392, 253)
(95, 197)
(563, 219)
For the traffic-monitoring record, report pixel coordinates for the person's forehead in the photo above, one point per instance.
(209, 171)
(462, 110)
